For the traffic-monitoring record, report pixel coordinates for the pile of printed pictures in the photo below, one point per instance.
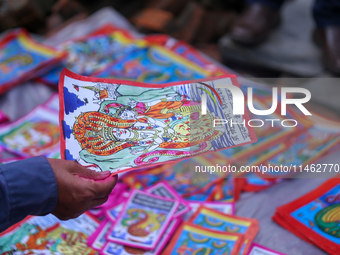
(158, 210)
(154, 221)
(314, 217)
(143, 222)
(37, 133)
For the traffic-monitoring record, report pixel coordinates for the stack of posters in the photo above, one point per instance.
(314, 217)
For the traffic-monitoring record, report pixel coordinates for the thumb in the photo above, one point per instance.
(103, 188)
(87, 173)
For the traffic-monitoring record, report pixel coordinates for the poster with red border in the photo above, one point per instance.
(22, 58)
(121, 125)
(313, 216)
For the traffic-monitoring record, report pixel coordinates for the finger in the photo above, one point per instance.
(98, 202)
(90, 174)
(61, 216)
(101, 188)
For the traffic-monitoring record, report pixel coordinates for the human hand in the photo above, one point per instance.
(79, 188)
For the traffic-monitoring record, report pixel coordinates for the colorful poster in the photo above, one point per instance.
(117, 126)
(269, 134)
(143, 220)
(256, 249)
(113, 213)
(21, 58)
(226, 190)
(193, 239)
(162, 189)
(35, 134)
(319, 139)
(190, 53)
(47, 235)
(181, 176)
(99, 242)
(91, 53)
(256, 181)
(153, 64)
(223, 207)
(314, 216)
(218, 221)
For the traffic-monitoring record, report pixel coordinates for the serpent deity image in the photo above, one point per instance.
(120, 125)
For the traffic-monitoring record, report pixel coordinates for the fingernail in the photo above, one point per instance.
(106, 173)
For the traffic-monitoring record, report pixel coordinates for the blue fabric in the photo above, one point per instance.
(325, 12)
(27, 187)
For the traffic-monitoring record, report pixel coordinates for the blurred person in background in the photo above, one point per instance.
(261, 17)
